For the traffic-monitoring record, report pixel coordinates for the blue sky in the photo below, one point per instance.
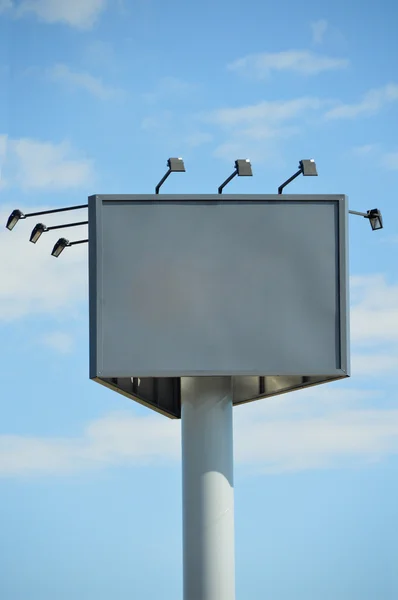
(94, 96)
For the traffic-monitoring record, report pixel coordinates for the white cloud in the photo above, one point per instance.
(38, 283)
(374, 313)
(81, 14)
(119, 438)
(58, 340)
(390, 161)
(34, 164)
(374, 365)
(304, 430)
(198, 138)
(318, 30)
(5, 5)
(85, 81)
(266, 113)
(3, 153)
(170, 87)
(364, 150)
(372, 102)
(255, 130)
(303, 62)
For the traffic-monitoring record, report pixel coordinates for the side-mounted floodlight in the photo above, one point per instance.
(307, 167)
(40, 228)
(17, 214)
(36, 232)
(176, 165)
(243, 168)
(374, 216)
(14, 218)
(63, 243)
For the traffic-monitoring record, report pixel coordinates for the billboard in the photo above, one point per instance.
(250, 286)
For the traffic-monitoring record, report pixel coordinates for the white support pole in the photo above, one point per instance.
(207, 485)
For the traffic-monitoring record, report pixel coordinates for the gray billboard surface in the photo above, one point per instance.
(249, 286)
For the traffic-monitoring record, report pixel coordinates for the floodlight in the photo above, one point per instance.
(307, 167)
(375, 219)
(16, 215)
(59, 247)
(40, 228)
(63, 243)
(14, 218)
(374, 216)
(36, 232)
(243, 168)
(176, 165)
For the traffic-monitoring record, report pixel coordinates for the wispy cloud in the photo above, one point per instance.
(390, 161)
(72, 79)
(264, 113)
(170, 88)
(59, 341)
(304, 430)
(374, 314)
(254, 129)
(5, 5)
(319, 29)
(372, 103)
(302, 62)
(81, 14)
(35, 164)
(364, 150)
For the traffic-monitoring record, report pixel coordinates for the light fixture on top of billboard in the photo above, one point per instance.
(307, 167)
(175, 165)
(243, 168)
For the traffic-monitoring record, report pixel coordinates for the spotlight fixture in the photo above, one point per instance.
(243, 168)
(63, 243)
(307, 167)
(40, 228)
(374, 216)
(36, 232)
(176, 165)
(14, 218)
(17, 214)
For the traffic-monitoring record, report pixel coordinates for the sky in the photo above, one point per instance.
(94, 97)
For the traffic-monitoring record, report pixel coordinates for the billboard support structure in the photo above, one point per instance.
(208, 492)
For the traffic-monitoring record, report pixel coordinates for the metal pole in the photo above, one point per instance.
(207, 486)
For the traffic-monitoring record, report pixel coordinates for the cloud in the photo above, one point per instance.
(170, 88)
(390, 161)
(364, 150)
(85, 81)
(5, 5)
(264, 113)
(318, 30)
(304, 430)
(374, 365)
(254, 130)
(58, 340)
(81, 14)
(34, 164)
(372, 103)
(116, 439)
(3, 153)
(374, 312)
(37, 283)
(303, 62)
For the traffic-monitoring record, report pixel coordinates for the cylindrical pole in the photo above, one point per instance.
(207, 485)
